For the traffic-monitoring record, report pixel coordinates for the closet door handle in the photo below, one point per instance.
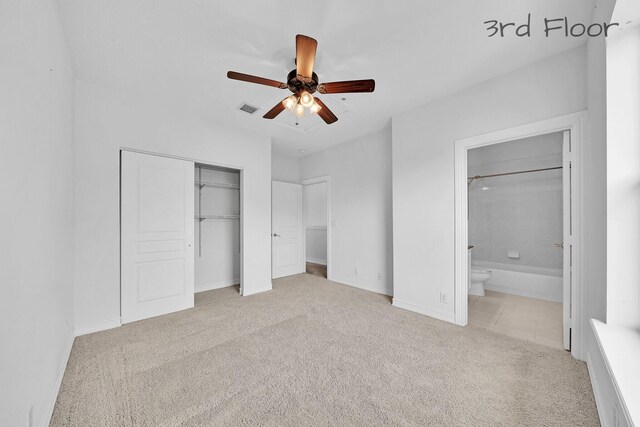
(276, 235)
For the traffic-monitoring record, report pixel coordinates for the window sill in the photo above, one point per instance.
(620, 348)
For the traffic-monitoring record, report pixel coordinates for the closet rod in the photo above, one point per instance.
(470, 179)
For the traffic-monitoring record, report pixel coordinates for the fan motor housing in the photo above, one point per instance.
(297, 85)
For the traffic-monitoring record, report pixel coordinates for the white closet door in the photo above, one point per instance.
(157, 254)
(287, 250)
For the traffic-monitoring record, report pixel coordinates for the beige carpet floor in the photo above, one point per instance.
(313, 352)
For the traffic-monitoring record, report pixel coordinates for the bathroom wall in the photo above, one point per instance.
(521, 214)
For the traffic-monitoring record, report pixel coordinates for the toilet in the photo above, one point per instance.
(476, 281)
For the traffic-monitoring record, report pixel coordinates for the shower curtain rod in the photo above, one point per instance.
(470, 179)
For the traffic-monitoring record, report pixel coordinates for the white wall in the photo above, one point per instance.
(623, 178)
(107, 120)
(285, 168)
(36, 187)
(423, 166)
(361, 229)
(517, 213)
(595, 151)
(315, 213)
(217, 241)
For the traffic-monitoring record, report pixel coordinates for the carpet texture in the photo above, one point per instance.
(313, 352)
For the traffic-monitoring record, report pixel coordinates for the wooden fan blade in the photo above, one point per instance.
(305, 56)
(273, 113)
(350, 86)
(255, 79)
(326, 114)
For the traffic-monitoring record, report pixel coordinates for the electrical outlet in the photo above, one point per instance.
(379, 276)
(357, 271)
(443, 297)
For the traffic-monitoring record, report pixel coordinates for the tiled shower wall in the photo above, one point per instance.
(521, 213)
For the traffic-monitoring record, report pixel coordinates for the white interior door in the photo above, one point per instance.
(157, 254)
(287, 250)
(567, 244)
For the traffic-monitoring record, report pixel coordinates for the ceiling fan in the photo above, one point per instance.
(303, 82)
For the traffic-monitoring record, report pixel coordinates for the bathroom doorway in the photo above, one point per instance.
(516, 253)
(317, 226)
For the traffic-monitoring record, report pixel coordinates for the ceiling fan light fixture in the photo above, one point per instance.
(306, 100)
(290, 102)
(315, 107)
(303, 83)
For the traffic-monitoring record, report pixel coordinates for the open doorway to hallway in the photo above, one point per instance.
(316, 225)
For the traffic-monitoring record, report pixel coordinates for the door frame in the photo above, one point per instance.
(194, 160)
(317, 180)
(576, 124)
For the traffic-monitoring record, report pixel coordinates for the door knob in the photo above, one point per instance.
(559, 245)
(276, 235)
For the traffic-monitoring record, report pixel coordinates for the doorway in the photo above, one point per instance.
(315, 228)
(317, 225)
(567, 287)
(516, 226)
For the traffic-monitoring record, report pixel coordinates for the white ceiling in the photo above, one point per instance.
(178, 53)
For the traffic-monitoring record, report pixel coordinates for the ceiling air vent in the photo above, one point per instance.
(248, 108)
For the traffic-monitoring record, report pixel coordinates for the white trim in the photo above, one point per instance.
(427, 311)
(601, 404)
(576, 124)
(51, 403)
(317, 261)
(257, 291)
(219, 285)
(317, 180)
(384, 290)
(618, 348)
(97, 327)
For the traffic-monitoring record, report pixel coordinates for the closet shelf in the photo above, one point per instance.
(218, 184)
(203, 217)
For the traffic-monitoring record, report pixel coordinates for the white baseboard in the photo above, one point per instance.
(48, 410)
(97, 327)
(246, 293)
(612, 356)
(211, 286)
(377, 289)
(317, 261)
(598, 394)
(524, 293)
(440, 315)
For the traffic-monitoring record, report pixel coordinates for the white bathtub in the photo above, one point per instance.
(533, 282)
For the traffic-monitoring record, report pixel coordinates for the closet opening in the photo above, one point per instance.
(180, 234)
(216, 230)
